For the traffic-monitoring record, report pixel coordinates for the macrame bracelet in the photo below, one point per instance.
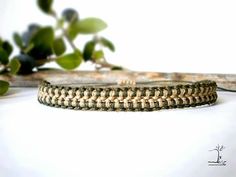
(128, 95)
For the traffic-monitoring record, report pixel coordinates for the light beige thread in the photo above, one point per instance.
(128, 99)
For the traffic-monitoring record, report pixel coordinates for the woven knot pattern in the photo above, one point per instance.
(129, 98)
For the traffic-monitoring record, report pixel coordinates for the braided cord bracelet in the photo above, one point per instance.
(128, 96)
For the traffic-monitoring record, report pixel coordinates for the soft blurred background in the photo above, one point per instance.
(155, 35)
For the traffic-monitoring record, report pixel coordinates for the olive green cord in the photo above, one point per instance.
(225, 89)
(143, 96)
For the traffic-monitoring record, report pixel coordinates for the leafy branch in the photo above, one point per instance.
(39, 44)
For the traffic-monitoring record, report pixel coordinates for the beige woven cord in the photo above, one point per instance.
(128, 96)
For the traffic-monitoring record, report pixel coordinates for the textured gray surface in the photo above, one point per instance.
(227, 81)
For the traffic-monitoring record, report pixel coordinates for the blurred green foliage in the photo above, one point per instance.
(39, 44)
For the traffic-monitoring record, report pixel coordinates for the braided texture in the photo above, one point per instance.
(128, 98)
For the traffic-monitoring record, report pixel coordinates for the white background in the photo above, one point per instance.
(40, 141)
(169, 36)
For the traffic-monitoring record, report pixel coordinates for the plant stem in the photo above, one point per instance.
(64, 32)
(43, 61)
(102, 63)
(68, 39)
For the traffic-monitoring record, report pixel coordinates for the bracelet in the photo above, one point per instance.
(128, 95)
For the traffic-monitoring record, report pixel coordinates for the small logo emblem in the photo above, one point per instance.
(219, 161)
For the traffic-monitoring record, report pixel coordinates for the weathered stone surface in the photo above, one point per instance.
(227, 81)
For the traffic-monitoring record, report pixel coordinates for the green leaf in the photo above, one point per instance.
(43, 36)
(90, 25)
(4, 85)
(59, 46)
(69, 61)
(42, 43)
(45, 5)
(27, 63)
(14, 66)
(72, 30)
(88, 50)
(70, 15)
(85, 26)
(98, 55)
(18, 41)
(107, 43)
(3, 56)
(7, 47)
(29, 33)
